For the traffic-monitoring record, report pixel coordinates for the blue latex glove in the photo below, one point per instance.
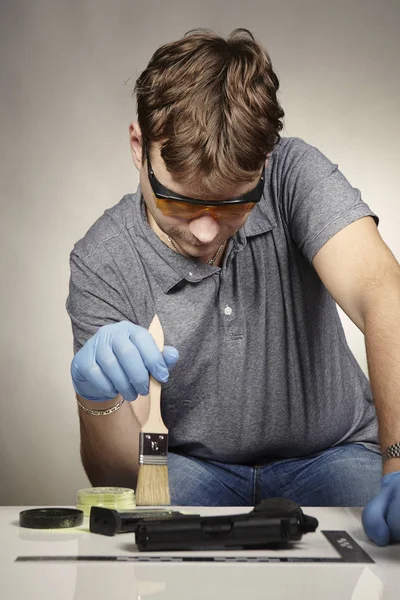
(117, 360)
(381, 516)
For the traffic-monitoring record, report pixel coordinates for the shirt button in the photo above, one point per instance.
(228, 310)
(190, 274)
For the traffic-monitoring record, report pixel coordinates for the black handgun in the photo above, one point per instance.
(273, 522)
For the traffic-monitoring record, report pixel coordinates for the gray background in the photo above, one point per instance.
(67, 72)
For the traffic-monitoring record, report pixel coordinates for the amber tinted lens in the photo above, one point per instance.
(226, 211)
(173, 208)
(185, 210)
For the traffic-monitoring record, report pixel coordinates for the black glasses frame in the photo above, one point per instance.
(162, 192)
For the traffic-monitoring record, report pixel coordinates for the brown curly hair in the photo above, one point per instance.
(212, 104)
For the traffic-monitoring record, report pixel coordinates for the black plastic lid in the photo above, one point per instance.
(51, 518)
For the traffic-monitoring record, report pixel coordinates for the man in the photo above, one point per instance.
(241, 242)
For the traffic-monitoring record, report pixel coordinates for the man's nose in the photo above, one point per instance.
(205, 227)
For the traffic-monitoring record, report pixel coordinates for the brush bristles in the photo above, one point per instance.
(152, 486)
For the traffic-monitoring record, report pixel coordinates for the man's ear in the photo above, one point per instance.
(135, 139)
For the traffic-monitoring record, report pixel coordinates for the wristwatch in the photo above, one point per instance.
(392, 452)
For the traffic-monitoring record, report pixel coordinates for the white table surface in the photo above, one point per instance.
(189, 581)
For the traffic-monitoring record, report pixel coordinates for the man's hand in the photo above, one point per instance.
(381, 516)
(117, 360)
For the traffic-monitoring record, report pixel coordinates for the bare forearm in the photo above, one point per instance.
(110, 445)
(382, 339)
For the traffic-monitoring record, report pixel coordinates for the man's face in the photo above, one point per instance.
(202, 235)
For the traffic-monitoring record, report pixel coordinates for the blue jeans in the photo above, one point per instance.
(347, 475)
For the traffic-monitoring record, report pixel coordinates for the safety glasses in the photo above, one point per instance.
(172, 204)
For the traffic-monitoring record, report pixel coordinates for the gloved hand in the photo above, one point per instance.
(117, 360)
(381, 516)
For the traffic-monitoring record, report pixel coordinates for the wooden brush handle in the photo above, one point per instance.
(154, 423)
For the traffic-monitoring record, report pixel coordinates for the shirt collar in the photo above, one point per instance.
(261, 218)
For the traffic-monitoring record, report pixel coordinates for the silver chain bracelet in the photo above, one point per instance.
(103, 412)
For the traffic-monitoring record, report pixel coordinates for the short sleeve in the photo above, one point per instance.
(317, 199)
(94, 300)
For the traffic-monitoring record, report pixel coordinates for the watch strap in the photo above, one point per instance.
(392, 451)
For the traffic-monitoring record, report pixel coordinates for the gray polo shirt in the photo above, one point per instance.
(264, 370)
